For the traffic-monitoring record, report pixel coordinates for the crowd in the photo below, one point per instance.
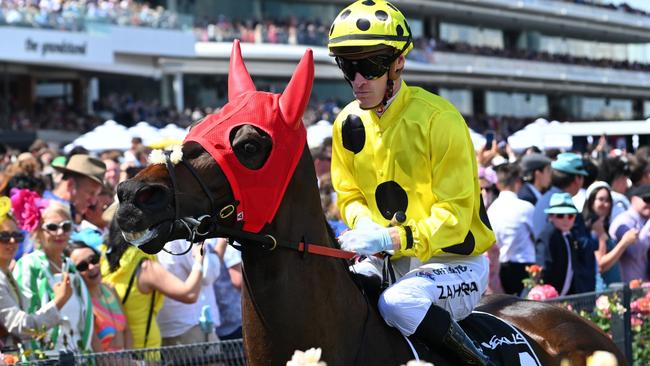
(72, 15)
(582, 217)
(68, 278)
(314, 33)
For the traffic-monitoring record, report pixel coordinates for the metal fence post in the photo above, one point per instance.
(627, 322)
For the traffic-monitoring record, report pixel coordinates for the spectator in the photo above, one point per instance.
(536, 172)
(597, 213)
(487, 180)
(511, 220)
(639, 169)
(142, 283)
(559, 253)
(111, 330)
(227, 290)
(187, 329)
(39, 272)
(634, 262)
(615, 171)
(567, 176)
(93, 219)
(15, 320)
(81, 183)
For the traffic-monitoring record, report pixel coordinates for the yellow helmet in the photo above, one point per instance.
(368, 25)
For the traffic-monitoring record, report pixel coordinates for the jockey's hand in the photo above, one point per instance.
(366, 241)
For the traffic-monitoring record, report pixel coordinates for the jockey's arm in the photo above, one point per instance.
(455, 194)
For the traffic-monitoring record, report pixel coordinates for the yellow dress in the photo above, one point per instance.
(418, 158)
(137, 305)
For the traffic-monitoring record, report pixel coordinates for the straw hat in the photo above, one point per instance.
(85, 165)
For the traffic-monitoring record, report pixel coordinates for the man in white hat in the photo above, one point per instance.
(81, 183)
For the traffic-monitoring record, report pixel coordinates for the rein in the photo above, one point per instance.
(207, 226)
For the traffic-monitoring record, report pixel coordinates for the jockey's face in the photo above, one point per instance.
(369, 93)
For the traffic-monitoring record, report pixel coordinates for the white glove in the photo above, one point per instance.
(366, 241)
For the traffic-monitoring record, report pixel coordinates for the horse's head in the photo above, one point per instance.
(235, 165)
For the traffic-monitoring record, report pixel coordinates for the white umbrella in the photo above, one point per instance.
(146, 132)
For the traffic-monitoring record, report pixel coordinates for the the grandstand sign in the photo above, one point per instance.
(32, 45)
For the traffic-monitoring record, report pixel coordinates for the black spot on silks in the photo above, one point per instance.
(483, 214)
(381, 15)
(464, 248)
(354, 134)
(391, 198)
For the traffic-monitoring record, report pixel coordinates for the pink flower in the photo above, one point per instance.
(602, 303)
(27, 207)
(542, 292)
(636, 322)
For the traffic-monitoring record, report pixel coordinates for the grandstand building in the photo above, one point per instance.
(493, 59)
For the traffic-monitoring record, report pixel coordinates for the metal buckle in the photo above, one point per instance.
(275, 242)
(227, 211)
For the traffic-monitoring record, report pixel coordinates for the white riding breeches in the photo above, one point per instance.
(455, 283)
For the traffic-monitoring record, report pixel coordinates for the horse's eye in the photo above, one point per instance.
(250, 148)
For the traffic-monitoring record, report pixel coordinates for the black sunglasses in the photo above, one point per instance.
(6, 236)
(646, 199)
(568, 216)
(370, 68)
(83, 265)
(66, 226)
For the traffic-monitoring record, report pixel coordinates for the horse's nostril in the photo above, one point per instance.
(144, 195)
(150, 196)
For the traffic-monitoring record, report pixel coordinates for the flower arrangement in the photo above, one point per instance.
(542, 292)
(534, 276)
(27, 207)
(310, 357)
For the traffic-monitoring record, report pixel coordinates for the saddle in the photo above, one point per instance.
(501, 341)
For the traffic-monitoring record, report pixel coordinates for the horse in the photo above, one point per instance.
(246, 173)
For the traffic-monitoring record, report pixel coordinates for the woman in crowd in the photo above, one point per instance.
(597, 213)
(142, 283)
(38, 273)
(111, 328)
(16, 324)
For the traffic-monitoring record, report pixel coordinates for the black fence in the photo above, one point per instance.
(220, 353)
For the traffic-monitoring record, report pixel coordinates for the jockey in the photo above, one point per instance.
(402, 150)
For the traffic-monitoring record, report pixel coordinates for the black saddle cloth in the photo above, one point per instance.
(503, 343)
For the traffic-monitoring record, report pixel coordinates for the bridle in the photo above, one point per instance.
(209, 226)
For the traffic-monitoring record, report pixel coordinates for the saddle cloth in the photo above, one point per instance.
(498, 339)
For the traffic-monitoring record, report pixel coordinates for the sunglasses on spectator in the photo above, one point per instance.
(370, 68)
(83, 265)
(646, 199)
(6, 236)
(568, 216)
(66, 226)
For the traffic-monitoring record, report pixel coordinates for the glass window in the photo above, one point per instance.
(598, 108)
(460, 98)
(516, 104)
(475, 36)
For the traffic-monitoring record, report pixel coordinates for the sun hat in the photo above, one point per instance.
(596, 186)
(532, 162)
(642, 191)
(569, 163)
(561, 203)
(86, 166)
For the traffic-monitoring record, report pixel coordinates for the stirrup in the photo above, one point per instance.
(459, 342)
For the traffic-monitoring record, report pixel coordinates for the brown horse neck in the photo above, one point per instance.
(302, 301)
